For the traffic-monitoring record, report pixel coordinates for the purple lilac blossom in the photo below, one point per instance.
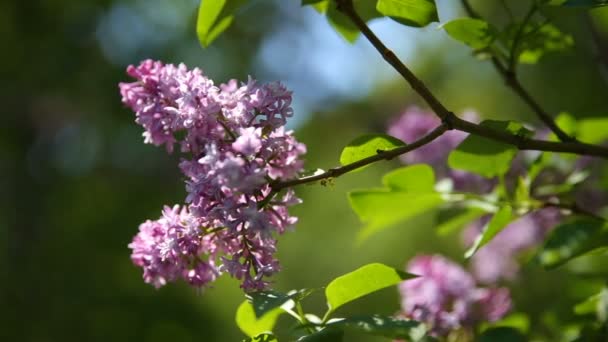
(413, 124)
(498, 259)
(446, 297)
(234, 144)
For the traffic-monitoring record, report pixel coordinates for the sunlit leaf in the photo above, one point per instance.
(264, 337)
(571, 239)
(418, 178)
(475, 33)
(367, 146)
(537, 42)
(361, 282)
(380, 209)
(487, 157)
(593, 130)
(417, 13)
(499, 221)
(214, 17)
(253, 326)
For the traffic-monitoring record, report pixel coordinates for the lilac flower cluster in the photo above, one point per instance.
(446, 297)
(236, 144)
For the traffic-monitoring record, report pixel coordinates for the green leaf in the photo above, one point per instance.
(414, 178)
(214, 17)
(571, 239)
(499, 221)
(417, 13)
(264, 301)
(379, 209)
(252, 326)
(539, 41)
(518, 320)
(579, 3)
(589, 306)
(458, 221)
(487, 157)
(343, 25)
(475, 33)
(361, 282)
(593, 130)
(367, 146)
(502, 334)
(325, 335)
(379, 325)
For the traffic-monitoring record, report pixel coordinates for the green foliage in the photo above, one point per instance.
(343, 25)
(367, 146)
(502, 334)
(380, 325)
(325, 335)
(214, 17)
(476, 33)
(264, 301)
(589, 306)
(497, 223)
(578, 3)
(264, 337)
(487, 157)
(416, 13)
(572, 239)
(251, 325)
(410, 193)
(416, 178)
(592, 130)
(361, 282)
(457, 221)
(537, 41)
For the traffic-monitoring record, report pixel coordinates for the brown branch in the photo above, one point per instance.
(381, 155)
(510, 77)
(451, 120)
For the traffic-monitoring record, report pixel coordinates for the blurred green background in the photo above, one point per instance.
(77, 179)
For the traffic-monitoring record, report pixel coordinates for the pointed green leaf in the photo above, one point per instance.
(253, 326)
(367, 146)
(361, 282)
(499, 221)
(417, 13)
(589, 306)
(380, 209)
(487, 157)
(214, 17)
(415, 178)
(475, 33)
(572, 239)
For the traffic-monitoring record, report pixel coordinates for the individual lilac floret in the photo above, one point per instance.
(234, 145)
(498, 259)
(446, 298)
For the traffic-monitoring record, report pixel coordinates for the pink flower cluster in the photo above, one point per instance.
(234, 142)
(446, 297)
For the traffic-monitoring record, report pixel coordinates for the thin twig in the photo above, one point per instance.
(510, 77)
(452, 120)
(381, 155)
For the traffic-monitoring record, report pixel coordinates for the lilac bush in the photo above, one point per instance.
(234, 144)
(447, 298)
